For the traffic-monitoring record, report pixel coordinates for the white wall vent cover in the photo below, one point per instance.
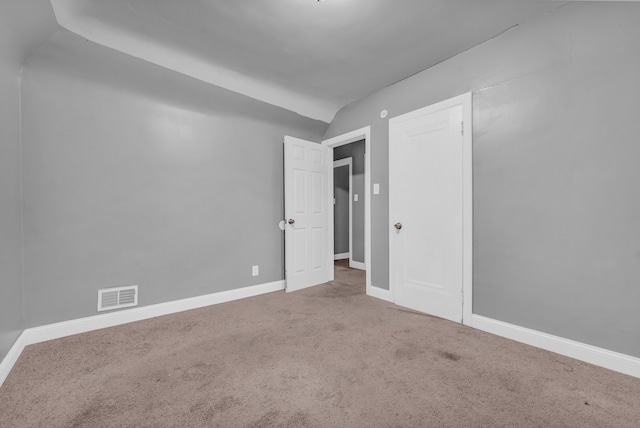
(117, 297)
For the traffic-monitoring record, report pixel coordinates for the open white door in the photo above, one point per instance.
(306, 209)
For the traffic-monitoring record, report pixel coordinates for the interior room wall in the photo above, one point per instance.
(356, 152)
(138, 175)
(11, 317)
(23, 27)
(556, 212)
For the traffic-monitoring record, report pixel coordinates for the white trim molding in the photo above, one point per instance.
(341, 256)
(357, 265)
(343, 162)
(82, 325)
(12, 357)
(580, 351)
(380, 293)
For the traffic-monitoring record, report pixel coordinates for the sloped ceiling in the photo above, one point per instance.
(24, 26)
(306, 56)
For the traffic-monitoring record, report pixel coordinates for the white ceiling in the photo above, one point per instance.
(306, 56)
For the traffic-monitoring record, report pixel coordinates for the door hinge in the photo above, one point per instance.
(462, 128)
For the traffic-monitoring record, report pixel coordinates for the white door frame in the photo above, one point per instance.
(341, 140)
(464, 100)
(338, 164)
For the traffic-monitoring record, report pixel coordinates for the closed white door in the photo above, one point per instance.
(306, 178)
(426, 193)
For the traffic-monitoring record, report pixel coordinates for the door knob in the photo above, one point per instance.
(398, 226)
(291, 221)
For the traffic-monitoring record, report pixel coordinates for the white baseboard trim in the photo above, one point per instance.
(10, 359)
(357, 265)
(341, 256)
(580, 351)
(379, 293)
(96, 322)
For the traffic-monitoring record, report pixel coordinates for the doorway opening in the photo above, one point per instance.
(347, 281)
(348, 203)
(337, 145)
(343, 195)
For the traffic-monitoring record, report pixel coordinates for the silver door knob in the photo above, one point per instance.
(398, 226)
(291, 221)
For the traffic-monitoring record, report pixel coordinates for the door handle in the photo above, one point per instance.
(398, 226)
(291, 221)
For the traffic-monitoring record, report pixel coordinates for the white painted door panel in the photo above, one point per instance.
(306, 170)
(426, 201)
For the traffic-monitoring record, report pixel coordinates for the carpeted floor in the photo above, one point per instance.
(342, 263)
(328, 356)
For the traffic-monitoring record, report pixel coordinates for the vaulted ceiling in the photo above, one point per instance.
(306, 56)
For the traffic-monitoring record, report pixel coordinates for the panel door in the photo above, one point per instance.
(426, 202)
(307, 167)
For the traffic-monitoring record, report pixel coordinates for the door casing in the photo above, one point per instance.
(341, 140)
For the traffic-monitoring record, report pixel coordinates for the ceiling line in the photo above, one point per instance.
(180, 62)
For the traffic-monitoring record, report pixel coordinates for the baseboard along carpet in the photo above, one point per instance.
(328, 356)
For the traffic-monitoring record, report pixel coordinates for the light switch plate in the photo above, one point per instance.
(355, 197)
(376, 188)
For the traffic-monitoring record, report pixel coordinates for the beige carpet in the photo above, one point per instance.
(324, 357)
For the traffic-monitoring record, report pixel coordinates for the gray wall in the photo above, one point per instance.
(556, 199)
(356, 151)
(23, 26)
(341, 210)
(138, 175)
